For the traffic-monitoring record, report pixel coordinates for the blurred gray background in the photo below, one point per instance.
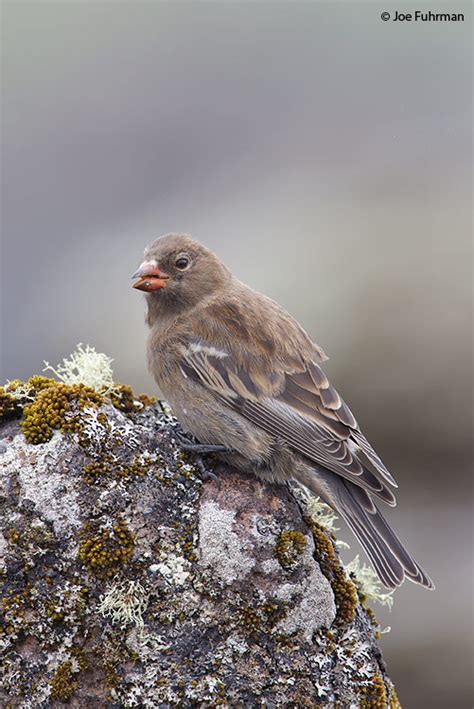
(325, 155)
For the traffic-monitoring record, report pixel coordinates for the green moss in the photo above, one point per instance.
(345, 593)
(54, 611)
(105, 550)
(81, 658)
(15, 395)
(22, 602)
(63, 684)
(37, 382)
(136, 469)
(98, 470)
(57, 407)
(46, 405)
(376, 627)
(112, 677)
(374, 696)
(13, 535)
(108, 467)
(290, 546)
(262, 617)
(186, 541)
(394, 701)
(12, 611)
(9, 406)
(123, 398)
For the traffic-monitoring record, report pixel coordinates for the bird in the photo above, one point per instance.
(244, 378)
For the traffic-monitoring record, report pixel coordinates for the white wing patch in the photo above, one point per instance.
(199, 347)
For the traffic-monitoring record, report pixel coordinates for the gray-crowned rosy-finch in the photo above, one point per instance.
(240, 372)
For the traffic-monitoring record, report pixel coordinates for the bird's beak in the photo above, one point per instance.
(150, 277)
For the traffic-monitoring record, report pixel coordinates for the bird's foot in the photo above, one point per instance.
(206, 474)
(198, 450)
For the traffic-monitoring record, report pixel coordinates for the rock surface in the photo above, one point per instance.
(128, 581)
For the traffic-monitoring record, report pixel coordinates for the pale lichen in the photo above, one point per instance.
(221, 548)
(368, 582)
(22, 392)
(316, 509)
(85, 366)
(175, 569)
(124, 603)
(364, 575)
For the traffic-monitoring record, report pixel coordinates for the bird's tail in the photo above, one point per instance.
(390, 559)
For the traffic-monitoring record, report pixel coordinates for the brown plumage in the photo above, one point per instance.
(239, 371)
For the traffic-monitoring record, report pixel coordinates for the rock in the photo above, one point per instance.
(128, 581)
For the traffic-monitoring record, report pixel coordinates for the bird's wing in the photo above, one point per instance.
(299, 406)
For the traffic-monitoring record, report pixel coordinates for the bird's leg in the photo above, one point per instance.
(203, 448)
(200, 449)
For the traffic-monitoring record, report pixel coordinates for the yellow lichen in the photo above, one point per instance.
(345, 593)
(105, 550)
(290, 546)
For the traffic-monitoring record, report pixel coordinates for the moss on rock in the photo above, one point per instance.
(290, 546)
(345, 592)
(63, 683)
(378, 694)
(57, 407)
(105, 549)
(46, 405)
(128, 581)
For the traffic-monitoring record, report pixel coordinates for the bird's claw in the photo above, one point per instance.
(206, 474)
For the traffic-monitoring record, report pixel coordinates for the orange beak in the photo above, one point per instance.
(150, 278)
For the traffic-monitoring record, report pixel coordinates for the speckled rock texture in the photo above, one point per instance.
(128, 581)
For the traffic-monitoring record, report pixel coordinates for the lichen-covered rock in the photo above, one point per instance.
(128, 581)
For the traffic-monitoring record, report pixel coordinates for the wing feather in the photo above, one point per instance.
(304, 411)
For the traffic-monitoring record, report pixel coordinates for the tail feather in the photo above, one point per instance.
(390, 558)
(412, 569)
(389, 570)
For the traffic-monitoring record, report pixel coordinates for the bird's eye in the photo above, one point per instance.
(182, 263)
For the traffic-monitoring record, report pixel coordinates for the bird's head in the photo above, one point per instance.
(179, 271)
